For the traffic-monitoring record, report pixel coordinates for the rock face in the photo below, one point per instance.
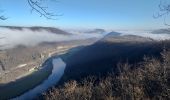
(2, 68)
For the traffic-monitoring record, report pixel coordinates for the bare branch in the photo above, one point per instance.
(3, 18)
(41, 10)
(164, 10)
(36, 5)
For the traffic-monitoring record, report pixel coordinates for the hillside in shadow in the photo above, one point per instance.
(103, 56)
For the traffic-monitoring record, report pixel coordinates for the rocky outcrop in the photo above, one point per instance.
(2, 66)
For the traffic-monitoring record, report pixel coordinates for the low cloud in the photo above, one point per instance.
(10, 37)
(147, 34)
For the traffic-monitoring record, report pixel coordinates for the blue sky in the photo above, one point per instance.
(108, 14)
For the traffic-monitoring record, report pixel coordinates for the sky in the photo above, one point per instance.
(107, 14)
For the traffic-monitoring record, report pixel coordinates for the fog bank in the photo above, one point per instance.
(148, 34)
(10, 38)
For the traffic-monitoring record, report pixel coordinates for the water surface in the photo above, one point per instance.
(57, 72)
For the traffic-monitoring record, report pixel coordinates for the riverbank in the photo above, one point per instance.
(59, 66)
(26, 83)
(31, 78)
(36, 78)
(57, 72)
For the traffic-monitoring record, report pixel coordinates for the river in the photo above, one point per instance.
(57, 72)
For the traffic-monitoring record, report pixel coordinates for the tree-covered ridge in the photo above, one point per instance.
(149, 80)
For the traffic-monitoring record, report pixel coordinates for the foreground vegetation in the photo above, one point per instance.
(149, 79)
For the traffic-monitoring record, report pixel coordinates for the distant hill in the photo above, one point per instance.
(100, 31)
(104, 55)
(113, 34)
(162, 31)
(115, 37)
(38, 28)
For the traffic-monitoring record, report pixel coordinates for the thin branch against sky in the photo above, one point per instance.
(36, 5)
(109, 14)
(164, 11)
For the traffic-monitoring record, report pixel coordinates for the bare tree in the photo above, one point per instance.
(38, 7)
(164, 10)
(2, 17)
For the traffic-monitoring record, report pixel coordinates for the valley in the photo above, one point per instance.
(85, 50)
(30, 70)
(24, 67)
